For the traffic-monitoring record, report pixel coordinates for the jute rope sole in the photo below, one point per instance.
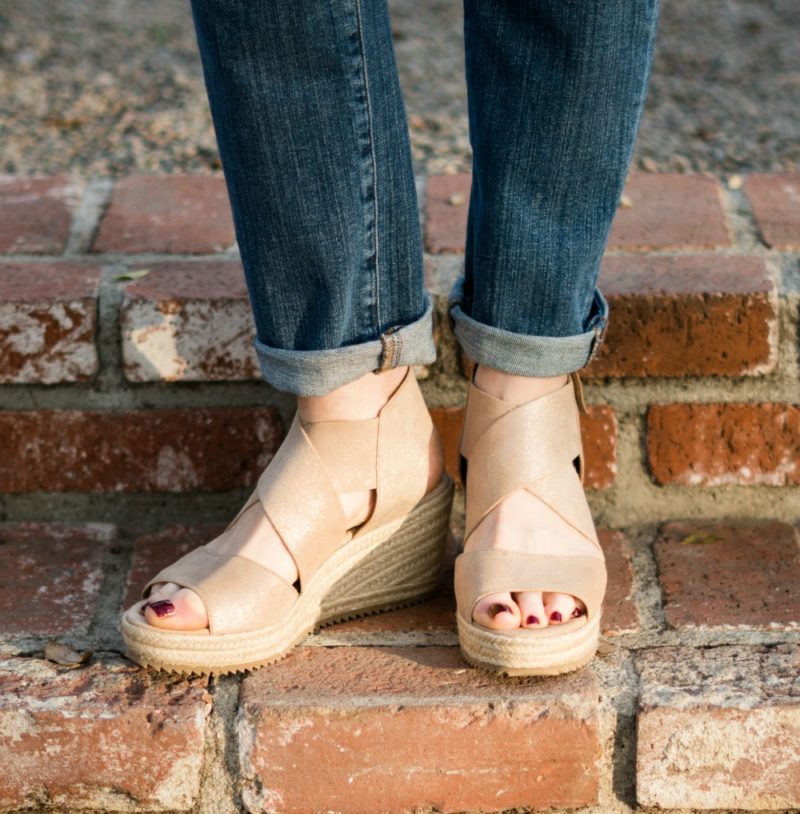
(394, 565)
(529, 652)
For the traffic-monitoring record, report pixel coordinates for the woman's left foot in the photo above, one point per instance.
(522, 522)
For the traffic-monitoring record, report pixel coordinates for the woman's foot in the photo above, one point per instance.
(522, 522)
(171, 606)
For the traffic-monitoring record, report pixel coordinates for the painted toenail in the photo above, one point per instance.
(577, 612)
(163, 608)
(555, 616)
(532, 620)
(493, 610)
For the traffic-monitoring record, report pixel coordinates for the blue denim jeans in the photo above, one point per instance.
(312, 133)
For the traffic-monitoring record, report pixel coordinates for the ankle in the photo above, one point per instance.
(360, 399)
(516, 389)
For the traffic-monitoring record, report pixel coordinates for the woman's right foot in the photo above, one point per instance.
(173, 607)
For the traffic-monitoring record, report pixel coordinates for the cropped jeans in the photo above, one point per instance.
(314, 144)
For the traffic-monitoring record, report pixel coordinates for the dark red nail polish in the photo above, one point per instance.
(577, 612)
(555, 616)
(493, 610)
(532, 620)
(163, 607)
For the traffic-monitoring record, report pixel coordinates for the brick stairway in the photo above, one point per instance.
(132, 421)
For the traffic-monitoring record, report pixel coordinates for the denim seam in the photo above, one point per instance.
(373, 162)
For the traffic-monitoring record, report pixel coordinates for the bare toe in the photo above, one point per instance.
(497, 611)
(531, 607)
(181, 609)
(561, 607)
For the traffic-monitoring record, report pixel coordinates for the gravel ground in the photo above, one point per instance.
(111, 87)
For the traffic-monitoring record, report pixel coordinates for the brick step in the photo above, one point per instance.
(148, 385)
(692, 704)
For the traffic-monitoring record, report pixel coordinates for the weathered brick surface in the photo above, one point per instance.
(47, 322)
(718, 444)
(155, 551)
(599, 437)
(729, 574)
(50, 576)
(620, 614)
(598, 431)
(189, 322)
(107, 736)
(446, 212)
(775, 199)
(687, 315)
(206, 449)
(36, 212)
(354, 729)
(719, 729)
(185, 214)
(670, 212)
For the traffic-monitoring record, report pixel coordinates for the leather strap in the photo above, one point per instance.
(238, 593)
(497, 570)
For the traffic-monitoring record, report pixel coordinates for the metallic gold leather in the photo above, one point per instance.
(347, 450)
(404, 434)
(496, 570)
(299, 499)
(238, 593)
(530, 446)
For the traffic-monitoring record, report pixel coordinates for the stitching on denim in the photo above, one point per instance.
(374, 162)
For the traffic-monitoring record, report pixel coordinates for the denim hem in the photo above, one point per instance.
(526, 355)
(317, 372)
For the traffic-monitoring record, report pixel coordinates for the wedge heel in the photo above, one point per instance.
(395, 564)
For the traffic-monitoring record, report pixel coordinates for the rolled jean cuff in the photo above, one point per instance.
(317, 372)
(526, 355)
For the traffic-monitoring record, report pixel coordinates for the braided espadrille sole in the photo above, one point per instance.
(527, 652)
(394, 565)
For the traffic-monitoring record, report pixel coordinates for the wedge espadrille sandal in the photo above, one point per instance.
(393, 559)
(534, 446)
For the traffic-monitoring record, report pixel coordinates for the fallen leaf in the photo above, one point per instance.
(64, 654)
(132, 275)
(456, 199)
(700, 538)
(625, 202)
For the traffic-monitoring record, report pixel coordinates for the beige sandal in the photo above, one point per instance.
(393, 559)
(532, 446)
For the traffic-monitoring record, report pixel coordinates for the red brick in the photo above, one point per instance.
(730, 443)
(108, 736)
(670, 212)
(775, 199)
(48, 319)
(739, 573)
(598, 429)
(356, 729)
(599, 435)
(620, 614)
(719, 729)
(189, 322)
(155, 551)
(446, 213)
(436, 619)
(36, 213)
(687, 315)
(50, 576)
(184, 214)
(210, 449)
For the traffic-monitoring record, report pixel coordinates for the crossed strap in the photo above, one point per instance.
(298, 492)
(529, 447)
